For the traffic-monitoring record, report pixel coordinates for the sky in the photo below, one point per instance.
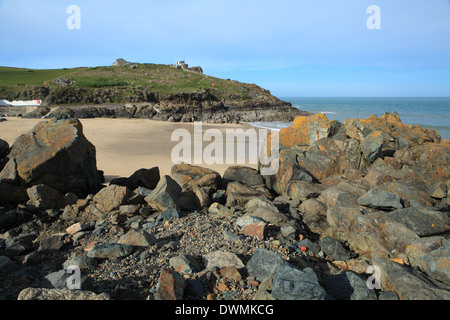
(301, 48)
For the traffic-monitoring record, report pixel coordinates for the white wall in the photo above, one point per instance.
(20, 103)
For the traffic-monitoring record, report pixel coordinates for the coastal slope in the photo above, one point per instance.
(150, 91)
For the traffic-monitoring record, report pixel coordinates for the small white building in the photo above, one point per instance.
(182, 65)
(121, 62)
(21, 103)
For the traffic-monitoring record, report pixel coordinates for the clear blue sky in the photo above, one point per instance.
(291, 47)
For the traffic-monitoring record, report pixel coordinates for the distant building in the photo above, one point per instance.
(184, 66)
(121, 62)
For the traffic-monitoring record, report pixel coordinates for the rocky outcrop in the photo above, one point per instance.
(343, 219)
(182, 110)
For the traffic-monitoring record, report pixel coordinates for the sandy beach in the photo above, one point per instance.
(126, 145)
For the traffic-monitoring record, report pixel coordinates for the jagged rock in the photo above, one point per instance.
(383, 235)
(380, 199)
(349, 286)
(111, 198)
(220, 210)
(4, 148)
(190, 177)
(171, 285)
(429, 161)
(239, 194)
(184, 264)
(165, 194)
(265, 210)
(375, 177)
(439, 190)
(424, 222)
(288, 232)
(110, 251)
(264, 264)
(289, 172)
(83, 262)
(372, 145)
(436, 264)
(256, 230)
(20, 244)
(146, 178)
(408, 283)
(57, 154)
(8, 173)
(43, 197)
(60, 294)
(303, 190)
(334, 248)
(291, 283)
(58, 280)
(310, 246)
(414, 196)
(421, 247)
(305, 130)
(246, 220)
(334, 196)
(222, 259)
(246, 175)
(138, 238)
(314, 214)
(52, 244)
(327, 157)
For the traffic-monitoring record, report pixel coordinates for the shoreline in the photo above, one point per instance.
(126, 145)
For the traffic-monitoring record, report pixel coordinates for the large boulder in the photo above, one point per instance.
(306, 130)
(437, 264)
(4, 148)
(289, 282)
(147, 178)
(243, 174)
(328, 157)
(56, 154)
(380, 199)
(288, 171)
(44, 197)
(429, 161)
(191, 177)
(408, 283)
(239, 194)
(399, 135)
(111, 198)
(165, 195)
(384, 235)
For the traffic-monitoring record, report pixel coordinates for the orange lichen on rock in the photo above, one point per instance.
(305, 130)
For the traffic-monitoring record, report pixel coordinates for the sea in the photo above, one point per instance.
(431, 113)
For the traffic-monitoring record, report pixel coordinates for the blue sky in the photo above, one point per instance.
(291, 47)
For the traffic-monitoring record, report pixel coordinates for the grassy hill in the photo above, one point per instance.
(155, 78)
(132, 91)
(20, 76)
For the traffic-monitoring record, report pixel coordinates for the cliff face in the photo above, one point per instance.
(210, 105)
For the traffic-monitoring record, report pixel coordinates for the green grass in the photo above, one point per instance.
(99, 82)
(161, 79)
(18, 76)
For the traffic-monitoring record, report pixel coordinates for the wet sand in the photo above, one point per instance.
(126, 145)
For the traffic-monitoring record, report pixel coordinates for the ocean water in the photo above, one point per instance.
(431, 113)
